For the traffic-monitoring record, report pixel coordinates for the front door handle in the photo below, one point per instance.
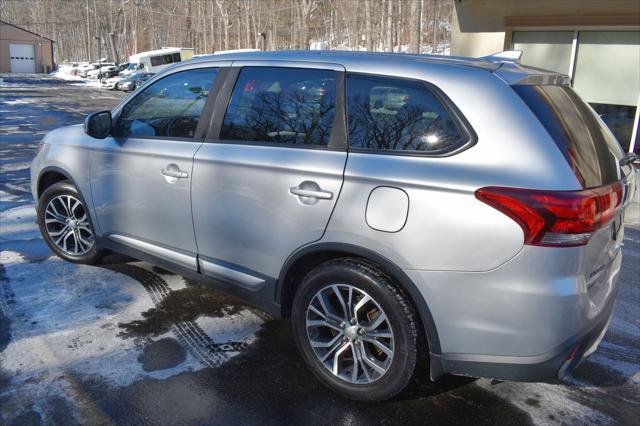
(174, 173)
(310, 189)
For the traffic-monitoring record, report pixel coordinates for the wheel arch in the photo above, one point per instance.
(49, 176)
(305, 258)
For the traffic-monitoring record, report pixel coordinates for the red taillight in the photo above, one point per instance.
(556, 218)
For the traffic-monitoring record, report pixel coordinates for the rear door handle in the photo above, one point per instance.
(308, 189)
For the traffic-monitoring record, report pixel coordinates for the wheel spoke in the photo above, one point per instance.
(65, 238)
(377, 322)
(336, 291)
(360, 304)
(331, 350)
(336, 357)
(323, 304)
(55, 234)
(374, 364)
(354, 369)
(384, 348)
(55, 220)
(350, 312)
(75, 206)
(317, 312)
(362, 364)
(55, 210)
(322, 323)
(380, 334)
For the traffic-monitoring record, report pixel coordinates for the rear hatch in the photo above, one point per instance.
(594, 155)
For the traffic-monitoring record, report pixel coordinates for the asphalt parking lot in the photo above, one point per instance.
(127, 343)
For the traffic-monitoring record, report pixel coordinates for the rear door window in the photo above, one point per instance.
(393, 114)
(585, 141)
(281, 106)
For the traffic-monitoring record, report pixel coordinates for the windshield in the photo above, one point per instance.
(584, 140)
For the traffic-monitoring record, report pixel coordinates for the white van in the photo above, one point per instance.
(156, 60)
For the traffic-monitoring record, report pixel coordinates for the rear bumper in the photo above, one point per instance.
(523, 320)
(551, 365)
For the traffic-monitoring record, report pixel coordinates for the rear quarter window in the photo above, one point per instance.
(589, 147)
(400, 115)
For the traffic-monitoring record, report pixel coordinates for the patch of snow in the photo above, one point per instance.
(7, 196)
(241, 327)
(8, 257)
(14, 101)
(12, 167)
(545, 403)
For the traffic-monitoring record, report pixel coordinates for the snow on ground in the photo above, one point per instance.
(64, 73)
(65, 321)
(12, 167)
(8, 257)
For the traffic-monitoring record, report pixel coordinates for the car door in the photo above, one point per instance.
(141, 175)
(269, 174)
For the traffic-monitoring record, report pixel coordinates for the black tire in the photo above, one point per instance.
(399, 311)
(55, 190)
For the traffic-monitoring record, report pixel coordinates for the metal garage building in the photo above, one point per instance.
(23, 51)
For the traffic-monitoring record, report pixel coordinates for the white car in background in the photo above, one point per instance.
(84, 69)
(106, 71)
(111, 83)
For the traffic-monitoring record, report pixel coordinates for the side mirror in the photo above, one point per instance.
(98, 125)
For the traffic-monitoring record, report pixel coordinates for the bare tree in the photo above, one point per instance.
(414, 40)
(210, 25)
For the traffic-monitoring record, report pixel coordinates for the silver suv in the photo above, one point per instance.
(413, 215)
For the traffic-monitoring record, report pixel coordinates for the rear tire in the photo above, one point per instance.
(369, 320)
(65, 224)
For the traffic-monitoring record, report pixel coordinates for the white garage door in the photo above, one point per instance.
(23, 57)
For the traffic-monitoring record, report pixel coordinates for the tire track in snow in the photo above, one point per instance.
(190, 335)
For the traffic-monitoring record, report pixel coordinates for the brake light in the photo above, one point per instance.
(556, 218)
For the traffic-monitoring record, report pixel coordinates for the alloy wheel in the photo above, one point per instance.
(350, 334)
(67, 225)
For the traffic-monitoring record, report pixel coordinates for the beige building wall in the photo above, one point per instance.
(43, 47)
(483, 27)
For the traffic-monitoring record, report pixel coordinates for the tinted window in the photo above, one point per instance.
(165, 59)
(402, 115)
(281, 105)
(583, 139)
(169, 107)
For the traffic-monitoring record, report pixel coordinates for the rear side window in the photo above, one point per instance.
(281, 105)
(399, 115)
(581, 136)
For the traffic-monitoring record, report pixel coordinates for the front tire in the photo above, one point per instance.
(356, 331)
(65, 224)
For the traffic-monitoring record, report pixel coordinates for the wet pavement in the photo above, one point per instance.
(128, 343)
